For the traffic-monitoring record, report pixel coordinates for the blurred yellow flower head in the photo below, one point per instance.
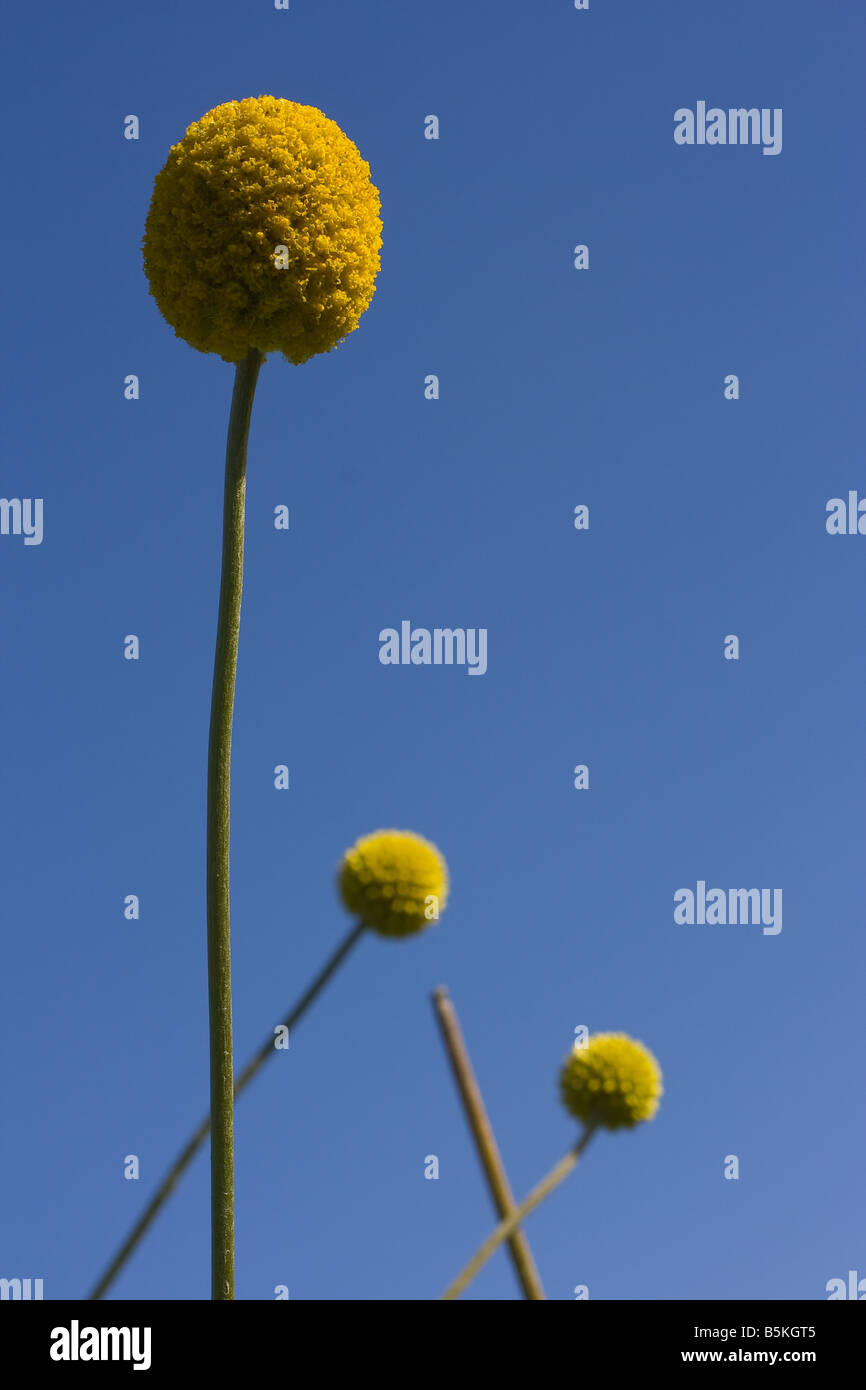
(611, 1081)
(396, 882)
(263, 232)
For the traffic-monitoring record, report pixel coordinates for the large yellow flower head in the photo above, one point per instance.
(611, 1081)
(394, 881)
(263, 232)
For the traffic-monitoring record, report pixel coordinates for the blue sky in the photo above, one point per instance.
(605, 647)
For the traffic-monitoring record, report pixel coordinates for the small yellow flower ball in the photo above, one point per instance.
(263, 232)
(611, 1081)
(396, 882)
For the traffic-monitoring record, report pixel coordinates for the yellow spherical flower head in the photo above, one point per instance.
(263, 232)
(611, 1081)
(396, 882)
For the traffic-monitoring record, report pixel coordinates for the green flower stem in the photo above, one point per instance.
(191, 1148)
(519, 1214)
(219, 758)
(485, 1141)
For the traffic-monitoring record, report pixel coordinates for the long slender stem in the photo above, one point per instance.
(197, 1139)
(511, 1222)
(219, 967)
(485, 1141)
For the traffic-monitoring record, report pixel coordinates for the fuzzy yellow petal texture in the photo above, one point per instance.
(612, 1081)
(263, 232)
(396, 882)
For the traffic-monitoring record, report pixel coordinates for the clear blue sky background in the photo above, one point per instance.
(605, 647)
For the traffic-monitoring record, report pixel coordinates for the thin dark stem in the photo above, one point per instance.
(191, 1148)
(513, 1220)
(485, 1141)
